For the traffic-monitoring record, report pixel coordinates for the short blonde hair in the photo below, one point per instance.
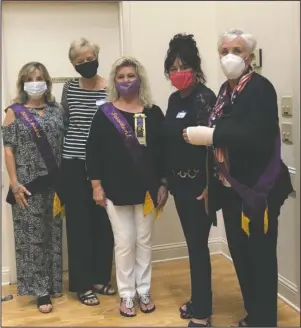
(144, 91)
(24, 75)
(80, 45)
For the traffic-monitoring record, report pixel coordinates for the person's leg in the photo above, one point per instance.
(124, 230)
(78, 223)
(32, 255)
(196, 226)
(102, 249)
(255, 261)
(54, 246)
(264, 272)
(237, 243)
(143, 268)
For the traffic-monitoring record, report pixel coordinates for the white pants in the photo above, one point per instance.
(133, 248)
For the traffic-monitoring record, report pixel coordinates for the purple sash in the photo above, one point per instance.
(255, 199)
(134, 148)
(42, 143)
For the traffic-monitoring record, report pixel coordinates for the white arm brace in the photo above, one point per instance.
(200, 135)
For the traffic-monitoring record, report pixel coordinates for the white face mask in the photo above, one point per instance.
(35, 90)
(232, 66)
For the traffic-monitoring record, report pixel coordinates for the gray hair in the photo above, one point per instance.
(144, 92)
(233, 33)
(80, 45)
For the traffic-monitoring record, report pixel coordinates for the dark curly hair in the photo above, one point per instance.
(184, 47)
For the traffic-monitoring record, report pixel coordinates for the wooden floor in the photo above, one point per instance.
(170, 289)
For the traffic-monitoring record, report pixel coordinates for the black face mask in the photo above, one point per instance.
(87, 69)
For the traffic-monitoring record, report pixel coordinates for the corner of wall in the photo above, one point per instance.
(125, 27)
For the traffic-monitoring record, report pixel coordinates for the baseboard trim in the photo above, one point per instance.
(176, 251)
(287, 291)
(5, 276)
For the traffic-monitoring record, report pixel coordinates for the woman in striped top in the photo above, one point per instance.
(89, 233)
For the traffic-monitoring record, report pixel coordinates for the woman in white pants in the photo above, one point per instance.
(123, 163)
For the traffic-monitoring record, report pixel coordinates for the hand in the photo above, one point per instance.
(19, 192)
(204, 196)
(162, 197)
(185, 136)
(99, 196)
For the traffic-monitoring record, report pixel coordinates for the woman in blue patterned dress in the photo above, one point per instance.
(38, 232)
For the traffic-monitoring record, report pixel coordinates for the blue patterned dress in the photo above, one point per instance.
(38, 235)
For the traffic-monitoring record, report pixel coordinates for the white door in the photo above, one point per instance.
(43, 31)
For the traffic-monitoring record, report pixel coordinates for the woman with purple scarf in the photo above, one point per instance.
(247, 178)
(124, 165)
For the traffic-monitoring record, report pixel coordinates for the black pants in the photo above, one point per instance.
(196, 227)
(255, 260)
(89, 232)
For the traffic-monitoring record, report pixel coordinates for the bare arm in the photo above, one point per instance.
(9, 156)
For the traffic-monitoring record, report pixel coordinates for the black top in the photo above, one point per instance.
(108, 160)
(181, 113)
(248, 129)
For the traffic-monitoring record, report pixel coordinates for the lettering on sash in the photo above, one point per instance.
(35, 129)
(124, 128)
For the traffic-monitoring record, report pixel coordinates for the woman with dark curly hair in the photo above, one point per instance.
(185, 166)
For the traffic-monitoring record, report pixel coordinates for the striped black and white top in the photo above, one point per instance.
(80, 106)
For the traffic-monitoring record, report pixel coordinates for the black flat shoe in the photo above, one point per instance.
(86, 297)
(44, 300)
(106, 290)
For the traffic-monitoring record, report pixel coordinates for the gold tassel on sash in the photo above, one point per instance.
(245, 222)
(58, 208)
(149, 207)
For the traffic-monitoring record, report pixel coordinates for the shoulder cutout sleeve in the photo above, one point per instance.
(9, 129)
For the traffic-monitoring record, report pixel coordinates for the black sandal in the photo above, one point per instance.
(129, 304)
(146, 300)
(44, 300)
(86, 297)
(105, 290)
(195, 324)
(188, 312)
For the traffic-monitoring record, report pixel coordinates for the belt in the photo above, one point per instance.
(183, 174)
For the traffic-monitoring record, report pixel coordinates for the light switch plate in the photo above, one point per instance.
(287, 106)
(287, 132)
(257, 60)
